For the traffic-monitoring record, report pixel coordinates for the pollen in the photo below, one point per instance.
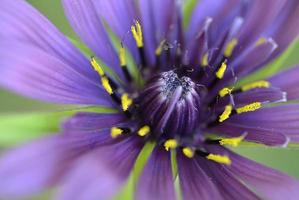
(205, 59)
(115, 132)
(234, 142)
(170, 144)
(226, 113)
(230, 47)
(250, 107)
(137, 33)
(225, 91)
(122, 57)
(188, 152)
(221, 70)
(261, 41)
(126, 101)
(257, 84)
(160, 48)
(106, 85)
(219, 159)
(96, 66)
(143, 131)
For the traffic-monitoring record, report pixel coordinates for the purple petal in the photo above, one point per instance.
(21, 23)
(264, 95)
(85, 122)
(221, 11)
(267, 182)
(100, 174)
(278, 119)
(229, 186)
(233, 127)
(195, 183)
(156, 21)
(156, 181)
(287, 81)
(258, 20)
(32, 72)
(285, 29)
(120, 16)
(41, 164)
(86, 22)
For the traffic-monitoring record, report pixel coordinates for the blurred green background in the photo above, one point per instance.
(285, 159)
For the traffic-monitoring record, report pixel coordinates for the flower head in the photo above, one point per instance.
(171, 87)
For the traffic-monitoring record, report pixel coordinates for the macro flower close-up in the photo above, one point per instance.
(154, 97)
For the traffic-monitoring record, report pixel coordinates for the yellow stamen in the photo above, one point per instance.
(143, 131)
(188, 152)
(96, 66)
(115, 132)
(221, 70)
(122, 56)
(261, 41)
(170, 144)
(226, 113)
(137, 33)
(160, 48)
(230, 47)
(225, 91)
(234, 142)
(205, 59)
(219, 159)
(106, 85)
(257, 84)
(126, 101)
(250, 107)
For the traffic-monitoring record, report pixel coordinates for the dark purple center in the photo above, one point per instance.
(170, 104)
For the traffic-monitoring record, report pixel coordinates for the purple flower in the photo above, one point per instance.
(184, 90)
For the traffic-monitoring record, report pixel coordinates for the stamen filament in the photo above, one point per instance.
(220, 73)
(234, 142)
(126, 101)
(188, 152)
(137, 34)
(143, 131)
(226, 113)
(219, 159)
(250, 107)
(257, 84)
(230, 47)
(170, 144)
(225, 91)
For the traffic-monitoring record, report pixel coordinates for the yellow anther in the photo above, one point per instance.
(250, 107)
(226, 113)
(225, 91)
(126, 101)
(96, 66)
(219, 159)
(106, 85)
(205, 59)
(230, 47)
(160, 48)
(257, 84)
(234, 142)
(143, 131)
(188, 152)
(170, 144)
(115, 132)
(260, 41)
(137, 33)
(122, 56)
(221, 70)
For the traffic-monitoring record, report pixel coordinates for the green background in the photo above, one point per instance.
(285, 159)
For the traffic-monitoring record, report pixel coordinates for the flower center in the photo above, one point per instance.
(170, 104)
